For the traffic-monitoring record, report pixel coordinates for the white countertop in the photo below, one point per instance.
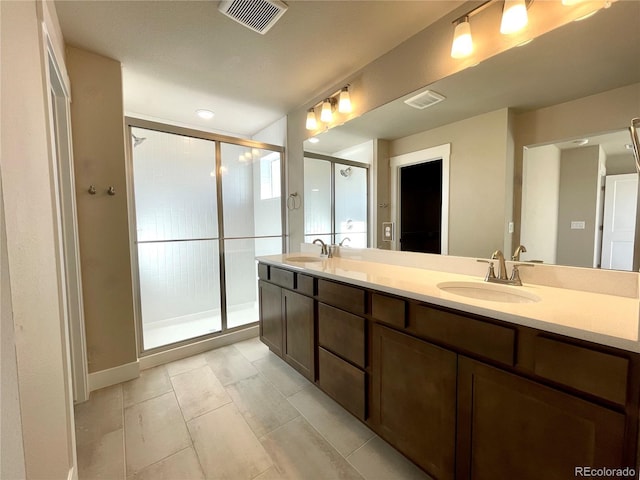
(601, 318)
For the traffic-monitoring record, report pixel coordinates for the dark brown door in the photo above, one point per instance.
(421, 207)
(271, 324)
(510, 427)
(413, 401)
(299, 332)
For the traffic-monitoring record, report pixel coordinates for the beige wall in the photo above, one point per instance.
(34, 287)
(578, 202)
(99, 156)
(419, 61)
(540, 201)
(479, 179)
(603, 112)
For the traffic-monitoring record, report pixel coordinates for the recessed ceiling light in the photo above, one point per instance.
(582, 141)
(206, 114)
(314, 140)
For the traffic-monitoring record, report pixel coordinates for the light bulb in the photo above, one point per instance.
(344, 103)
(514, 16)
(462, 45)
(325, 114)
(312, 124)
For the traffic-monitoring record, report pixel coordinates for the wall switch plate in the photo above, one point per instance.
(387, 231)
(577, 225)
(510, 227)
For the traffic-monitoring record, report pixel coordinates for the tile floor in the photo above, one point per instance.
(237, 412)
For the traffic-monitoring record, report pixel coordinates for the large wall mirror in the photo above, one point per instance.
(534, 134)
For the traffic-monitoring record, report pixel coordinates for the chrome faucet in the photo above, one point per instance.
(502, 267)
(344, 240)
(323, 248)
(514, 279)
(516, 254)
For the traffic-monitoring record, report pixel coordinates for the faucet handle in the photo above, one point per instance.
(491, 273)
(515, 272)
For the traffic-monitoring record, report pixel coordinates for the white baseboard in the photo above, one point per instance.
(185, 351)
(112, 376)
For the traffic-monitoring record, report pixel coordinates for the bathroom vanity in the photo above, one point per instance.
(523, 387)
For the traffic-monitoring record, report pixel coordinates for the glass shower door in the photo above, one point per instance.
(252, 214)
(176, 236)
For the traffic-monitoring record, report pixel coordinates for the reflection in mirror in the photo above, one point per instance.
(579, 202)
(336, 200)
(498, 105)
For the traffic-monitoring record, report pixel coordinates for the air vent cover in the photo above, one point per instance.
(424, 99)
(258, 15)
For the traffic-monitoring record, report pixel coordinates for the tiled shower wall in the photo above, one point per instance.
(176, 198)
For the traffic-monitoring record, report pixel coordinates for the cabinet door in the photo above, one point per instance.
(413, 402)
(510, 427)
(271, 325)
(299, 332)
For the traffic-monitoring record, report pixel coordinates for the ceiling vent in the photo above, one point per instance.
(258, 15)
(424, 99)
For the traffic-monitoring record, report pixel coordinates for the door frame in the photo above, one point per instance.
(606, 219)
(67, 236)
(441, 152)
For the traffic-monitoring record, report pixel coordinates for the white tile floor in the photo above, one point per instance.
(238, 412)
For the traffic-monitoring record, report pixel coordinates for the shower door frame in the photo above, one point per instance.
(132, 122)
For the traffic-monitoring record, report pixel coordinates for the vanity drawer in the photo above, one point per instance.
(342, 333)
(587, 370)
(304, 284)
(341, 296)
(389, 310)
(281, 277)
(263, 271)
(469, 334)
(342, 381)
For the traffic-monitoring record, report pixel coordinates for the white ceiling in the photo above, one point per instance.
(182, 55)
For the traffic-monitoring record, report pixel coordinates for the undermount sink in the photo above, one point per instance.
(489, 291)
(303, 259)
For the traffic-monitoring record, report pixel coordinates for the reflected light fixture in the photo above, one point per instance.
(326, 114)
(514, 16)
(344, 101)
(314, 140)
(312, 124)
(462, 45)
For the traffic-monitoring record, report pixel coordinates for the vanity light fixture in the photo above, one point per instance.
(340, 99)
(326, 114)
(462, 42)
(514, 16)
(514, 19)
(312, 123)
(205, 114)
(344, 101)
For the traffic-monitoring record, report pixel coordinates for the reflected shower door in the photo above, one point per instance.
(318, 201)
(174, 180)
(350, 205)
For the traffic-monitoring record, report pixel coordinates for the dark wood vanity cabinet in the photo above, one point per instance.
(299, 340)
(413, 399)
(287, 324)
(271, 324)
(511, 427)
(462, 396)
